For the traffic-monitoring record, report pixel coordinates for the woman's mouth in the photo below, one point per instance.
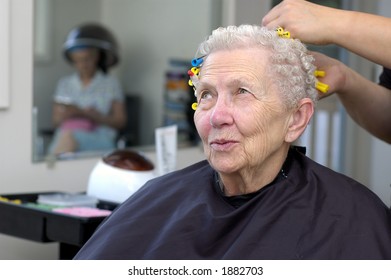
(222, 145)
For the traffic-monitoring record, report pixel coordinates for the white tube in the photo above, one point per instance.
(166, 149)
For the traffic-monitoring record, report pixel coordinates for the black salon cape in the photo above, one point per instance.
(313, 213)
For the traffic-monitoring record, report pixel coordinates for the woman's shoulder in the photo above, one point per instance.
(337, 187)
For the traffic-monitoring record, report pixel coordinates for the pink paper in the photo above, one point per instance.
(83, 211)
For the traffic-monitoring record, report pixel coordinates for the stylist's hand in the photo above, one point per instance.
(336, 73)
(306, 21)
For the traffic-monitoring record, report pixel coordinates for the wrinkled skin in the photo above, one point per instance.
(245, 128)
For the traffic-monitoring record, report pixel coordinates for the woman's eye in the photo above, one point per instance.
(242, 90)
(205, 95)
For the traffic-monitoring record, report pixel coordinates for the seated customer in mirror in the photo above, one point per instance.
(89, 104)
(256, 196)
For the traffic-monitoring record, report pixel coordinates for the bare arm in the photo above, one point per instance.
(365, 101)
(63, 112)
(369, 104)
(115, 119)
(364, 34)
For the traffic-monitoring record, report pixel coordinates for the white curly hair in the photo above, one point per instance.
(290, 60)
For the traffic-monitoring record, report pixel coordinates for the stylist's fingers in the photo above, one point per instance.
(335, 73)
(270, 20)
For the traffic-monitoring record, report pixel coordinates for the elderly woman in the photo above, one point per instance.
(256, 196)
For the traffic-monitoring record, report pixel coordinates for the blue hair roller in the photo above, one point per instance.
(197, 61)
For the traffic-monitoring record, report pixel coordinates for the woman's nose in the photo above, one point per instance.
(221, 113)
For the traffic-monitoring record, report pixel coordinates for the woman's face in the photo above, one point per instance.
(240, 117)
(85, 61)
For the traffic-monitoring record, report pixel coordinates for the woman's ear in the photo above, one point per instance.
(299, 120)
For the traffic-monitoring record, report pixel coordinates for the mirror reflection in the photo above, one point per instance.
(154, 42)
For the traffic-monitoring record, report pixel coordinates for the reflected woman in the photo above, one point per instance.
(89, 104)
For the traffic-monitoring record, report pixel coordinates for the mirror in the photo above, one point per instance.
(154, 38)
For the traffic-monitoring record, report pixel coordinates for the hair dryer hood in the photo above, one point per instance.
(95, 36)
(118, 175)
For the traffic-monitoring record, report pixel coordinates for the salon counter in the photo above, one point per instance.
(21, 221)
(19, 217)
